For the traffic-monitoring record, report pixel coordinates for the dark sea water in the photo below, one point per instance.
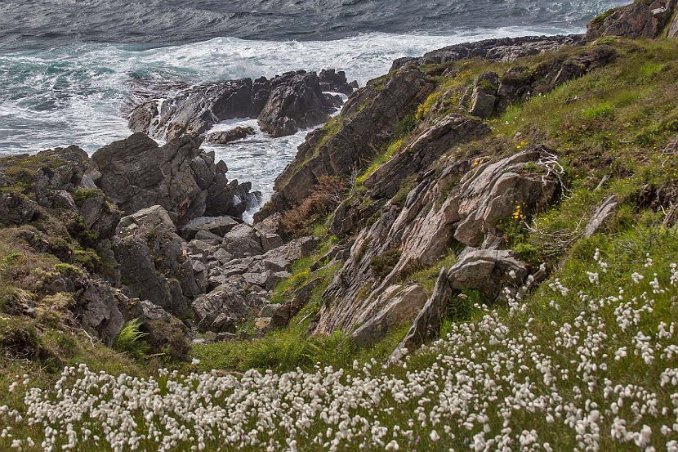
(67, 66)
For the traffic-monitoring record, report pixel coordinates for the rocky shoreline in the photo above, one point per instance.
(162, 229)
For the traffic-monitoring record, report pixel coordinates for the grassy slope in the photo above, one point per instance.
(616, 123)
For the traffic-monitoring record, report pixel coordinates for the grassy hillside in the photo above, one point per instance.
(586, 360)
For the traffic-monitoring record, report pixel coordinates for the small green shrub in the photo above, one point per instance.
(383, 264)
(599, 111)
(130, 340)
(68, 270)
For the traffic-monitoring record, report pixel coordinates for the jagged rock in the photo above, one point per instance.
(427, 324)
(218, 226)
(226, 137)
(291, 101)
(152, 263)
(296, 102)
(601, 216)
(262, 323)
(98, 309)
(493, 191)
(16, 209)
(422, 150)
(136, 173)
(369, 109)
(335, 81)
(487, 271)
(164, 333)
(230, 299)
(141, 118)
(242, 241)
(641, 19)
(502, 49)
(484, 95)
(401, 305)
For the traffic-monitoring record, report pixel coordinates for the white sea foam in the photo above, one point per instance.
(74, 95)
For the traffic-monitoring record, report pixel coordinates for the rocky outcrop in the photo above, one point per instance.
(420, 232)
(492, 94)
(401, 305)
(16, 209)
(641, 19)
(136, 173)
(228, 136)
(503, 49)
(283, 104)
(296, 102)
(427, 324)
(152, 262)
(338, 153)
(240, 286)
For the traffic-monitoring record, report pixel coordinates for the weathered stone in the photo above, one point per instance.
(229, 299)
(296, 102)
(427, 324)
(216, 225)
(601, 216)
(401, 305)
(16, 209)
(641, 19)
(484, 95)
(153, 265)
(136, 173)
(228, 136)
(487, 271)
(242, 241)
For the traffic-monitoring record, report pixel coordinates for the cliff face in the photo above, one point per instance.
(446, 183)
(468, 175)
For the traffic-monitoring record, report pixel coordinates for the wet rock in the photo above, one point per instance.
(296, 102)
(228, 136)
(141, 118)
(335, 81)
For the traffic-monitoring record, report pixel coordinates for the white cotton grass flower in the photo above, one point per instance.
(481, 387)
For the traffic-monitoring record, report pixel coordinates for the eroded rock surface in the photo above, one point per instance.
(641, 19)
(136, 173)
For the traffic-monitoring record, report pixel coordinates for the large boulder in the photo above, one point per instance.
(233, 300)
(400, 306)
(136, 173)
(641, 19)
(153, 265)
(296, 102)
(427, 324)
(488, 271)
(16, 209)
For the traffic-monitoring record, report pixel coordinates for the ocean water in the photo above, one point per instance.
(67, 67)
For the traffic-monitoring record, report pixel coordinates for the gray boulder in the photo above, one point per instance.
(152, 263)
(228, 136)
(296, 102)
(137, 173)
